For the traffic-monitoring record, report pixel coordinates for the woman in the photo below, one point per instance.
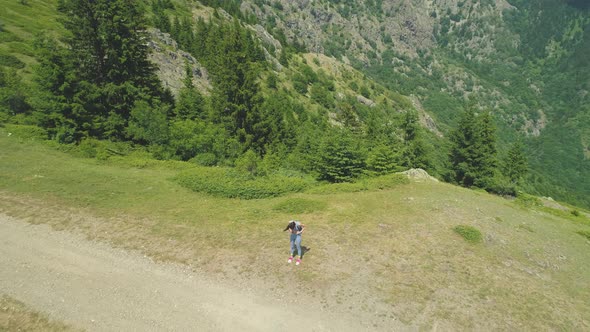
(295, 228)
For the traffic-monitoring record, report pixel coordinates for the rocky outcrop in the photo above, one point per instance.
(425, 120)
(419, 174)
(171, 63)
(533, 127)
(366, 101)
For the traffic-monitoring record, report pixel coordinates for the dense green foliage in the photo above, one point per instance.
(540, 80)
(514, 165)
(92, 81)
(473, 154)
(230, 183)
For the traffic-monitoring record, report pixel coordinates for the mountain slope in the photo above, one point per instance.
(439, 54)
(525, 60)
(376, 256)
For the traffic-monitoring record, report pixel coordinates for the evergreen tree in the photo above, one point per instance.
(340, 158)
(414, 153)
(473, 151)
(110, 69)
(515, 165)
(382, 160)
(191, 103)
(486, 161)
(13, 97)
(235, 97)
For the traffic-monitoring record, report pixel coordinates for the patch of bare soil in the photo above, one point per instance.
(351, 296)
(93, 286)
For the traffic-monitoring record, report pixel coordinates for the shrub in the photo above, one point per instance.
(7, 36)
(205, 159)
(248, 163)
(88, 148)
(26, 132)
(501, 187)
(10, 60)
(527, 200)
(230, 183)
(575, 213)
(379, 183)
(469, 233)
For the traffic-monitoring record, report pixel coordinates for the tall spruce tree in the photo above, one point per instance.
(111, 71)
(473, 151)
(340, 157)
(191, 103)
(514, 164)
(487, 160)
(235, 97)
(414, 153)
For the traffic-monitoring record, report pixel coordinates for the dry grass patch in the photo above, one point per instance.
(383, 254)
(15, 316)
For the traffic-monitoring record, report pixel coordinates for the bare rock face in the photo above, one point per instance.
(271, 47)
(419, 174)
(366, 101)
(425, 120)
(171, 63)
(533, 127)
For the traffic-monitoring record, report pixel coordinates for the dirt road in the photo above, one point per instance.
(95, 287)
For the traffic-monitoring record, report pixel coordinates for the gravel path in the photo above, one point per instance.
(92, 286)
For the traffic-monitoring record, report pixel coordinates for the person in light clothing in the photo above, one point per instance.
(295, 229)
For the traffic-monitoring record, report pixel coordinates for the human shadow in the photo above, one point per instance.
(304, 250)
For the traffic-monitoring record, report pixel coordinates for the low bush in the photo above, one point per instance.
(378, 183)
(143, 159)
(469, 233)
(26, 132)
(7, 36)
(230, 183)
(501, 188)
(10, 60)
(528, 200)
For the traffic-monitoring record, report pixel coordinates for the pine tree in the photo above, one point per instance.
(191, 103)
(486, 151)
(473, 152)
(235, 98)
(414, 153)
(515, 165)
(340, 158)
(110, 69)
(382, 160)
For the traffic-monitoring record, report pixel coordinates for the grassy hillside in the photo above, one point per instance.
(20, 23)
(380, 254)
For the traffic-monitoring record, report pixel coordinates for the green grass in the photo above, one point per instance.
(585, 234)
(21, 24)
(388, 248)
(297, 205)
(469, 233)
